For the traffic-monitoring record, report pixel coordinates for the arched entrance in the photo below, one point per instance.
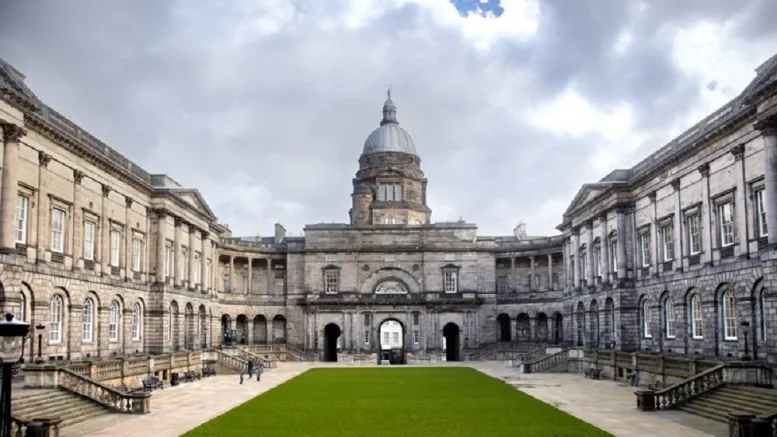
(331, 334)
(558, 328)
(503, 320)
(450, 333)
(542, 327)
(391, 342)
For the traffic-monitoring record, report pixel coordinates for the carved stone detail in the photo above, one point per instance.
(676, 184)
(738, 151)
(78, 176)
(767, 126)
(106, 190)
(704, 169)
(43, 159)
(652, 196)
(12, 132)
(128, 201)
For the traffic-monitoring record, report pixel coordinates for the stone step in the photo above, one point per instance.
(68, 407)
(719, 403)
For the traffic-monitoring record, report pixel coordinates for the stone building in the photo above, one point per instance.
(112, 260)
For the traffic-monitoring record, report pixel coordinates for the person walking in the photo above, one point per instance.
(241, 377)
(259, 372)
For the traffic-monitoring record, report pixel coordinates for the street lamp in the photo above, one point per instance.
(12, 332)
(39, 328)
(745, 328)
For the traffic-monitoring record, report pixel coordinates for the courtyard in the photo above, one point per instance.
(382, 401)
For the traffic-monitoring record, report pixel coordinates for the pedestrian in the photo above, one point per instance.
(259, 372)
(241, 377)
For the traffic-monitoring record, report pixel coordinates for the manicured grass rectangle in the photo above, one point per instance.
(377, 402)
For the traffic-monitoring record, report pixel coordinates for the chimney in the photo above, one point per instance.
(280, 233)
(520, 231)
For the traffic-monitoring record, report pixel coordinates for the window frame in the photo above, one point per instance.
(666, 232)
(137, 254)
(90, 241)
(114, 247)
(697, 317)
(137, 322)
(21, 219)
(58, 235)
(669, 319)
(56, 309)
(693, 239)
(759, 211)
(643, 239)
(646, 319)
(331, 278)
(114, 321)
(725, 215)
(87, 321)
(729, 315)
(450, 279)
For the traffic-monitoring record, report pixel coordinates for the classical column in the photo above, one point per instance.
(127, 252)
(44, 229)
(768, 130)
(576, 255)
(231, 274)
(740, 204)
(514, 275)
(678, 226)
(706, 222)
(591, 273)
(192, 258)
(655, 232)
(250, 275)
(621, 242)
(161, 243)
(10, 188)
(177, 254)
(78, 219)
(204, 256)
(533, 276)
(550, 271)
(105, 233)
(604, 249)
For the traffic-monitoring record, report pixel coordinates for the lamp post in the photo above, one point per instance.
(12, 332)
(745, 328)
(39, 329)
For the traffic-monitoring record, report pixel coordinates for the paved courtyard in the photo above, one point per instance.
(605, 404)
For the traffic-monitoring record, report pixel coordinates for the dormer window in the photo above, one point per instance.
(389, 192)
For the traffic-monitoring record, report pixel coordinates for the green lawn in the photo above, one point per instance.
(377, 402)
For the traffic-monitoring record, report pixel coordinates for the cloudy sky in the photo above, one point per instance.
(264, 105)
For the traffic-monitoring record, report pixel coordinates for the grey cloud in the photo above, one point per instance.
(272, 130)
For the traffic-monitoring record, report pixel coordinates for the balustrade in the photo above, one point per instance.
(134, 403)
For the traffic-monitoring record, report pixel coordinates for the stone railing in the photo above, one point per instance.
(49, 427)
(51, 376)
(135, 366)
(426, 359)
(647, 366)
(232, 361)
(547, 362)
(743, 373)
(299, 354)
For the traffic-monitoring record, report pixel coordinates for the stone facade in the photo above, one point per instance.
(112, 260)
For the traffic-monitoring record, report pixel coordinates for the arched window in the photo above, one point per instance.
(113, 322)
(762, 312)
(172, 322)
(669, 317)
(22, 308)
(55, 320)
(646, 318)
(87, 335)
(137, 320)
(729, 316)
(697, 322)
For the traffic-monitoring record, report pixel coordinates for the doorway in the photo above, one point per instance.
(391, 342)
(331, 335)
(504, 328)
(450, 333)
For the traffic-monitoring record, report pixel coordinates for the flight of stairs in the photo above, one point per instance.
(716, 404)
(28, 404)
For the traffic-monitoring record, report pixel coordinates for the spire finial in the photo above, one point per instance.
(388, 92)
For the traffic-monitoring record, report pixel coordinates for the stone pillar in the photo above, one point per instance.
(605, 249)
(250, 275)
(576, 255)
(514, 274)
(127, 252)
(104, 240)
(192, 258)
(231, 274)
(44, 227)
(10, 187)
(740, 204)
(591, 273)
(569, 275)
(204, 256)
(161, 243)
(679, 222)
(533, 276)
(270, 278)
(177, 252)
(706, 222)
(655, 234)
(621, 249)
(550, 271)
(768, 130)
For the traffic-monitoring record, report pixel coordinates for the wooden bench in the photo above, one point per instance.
(593, 373)
(207, 371)
(152, 383)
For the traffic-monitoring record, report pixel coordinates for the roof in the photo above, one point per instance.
(389, 136)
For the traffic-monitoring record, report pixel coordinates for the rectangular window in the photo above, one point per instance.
(385, 338)
(614, 255)
(692, 223)
(501, 284)
(760, 213)
(137, 250)
(395, 338)
(58, 220)
(726, 224)
(451, 281)
(644, 249)
(22, 211)
(168, 259)
(529, 281)
(598, 261)
(331, 281)
(366, 338)
(416, 337)
(115, 247)
(90, 232)
(416, 319)
(390, 192)
(667, 242)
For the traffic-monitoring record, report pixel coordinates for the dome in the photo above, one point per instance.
(389, 136)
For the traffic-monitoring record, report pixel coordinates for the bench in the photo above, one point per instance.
(190, 376)
(207, 371)
(593, 373)
(152, 383)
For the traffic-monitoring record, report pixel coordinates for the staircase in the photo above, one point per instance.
(28, 404)
(738, 399)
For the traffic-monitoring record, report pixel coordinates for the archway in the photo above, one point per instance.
(260, 329)
(331, 334)
(391, 342)
(241, 323)
(523, 326)
(226, 335)
(450, 334)
(558, 328)
(541, 321)
(503, 320)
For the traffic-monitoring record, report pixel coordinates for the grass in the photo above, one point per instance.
(377, 402)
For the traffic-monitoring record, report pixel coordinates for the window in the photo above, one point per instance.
(598, 260)
(667, 242)
(87, 335)
(760, 213)
(331, 285)
(113, 322)
(529, 282)
(366, 320)
(22, 307)
(694, 237)
(646, 319)
(762, 312)
(584, 265)
(22, 210)
(366, 338)
(115, 248)
(90, 231)
(168, 259)
(726, 224)
(644, 249)
(170, 327)
(55, 320)
(416, 319)
(451, 281)
(57, 230)
(185, 264)
(137, 250)
(696, 317)
(669, 318)
(416, 337)
(614, 256)
(226, 283)
(385, 338)
(729, 316)
(555, 281)
(137, 322)
(390, 192)
(391, 221)
(395, 338)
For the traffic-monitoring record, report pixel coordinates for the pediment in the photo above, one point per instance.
(195, 199)
(586, 194)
